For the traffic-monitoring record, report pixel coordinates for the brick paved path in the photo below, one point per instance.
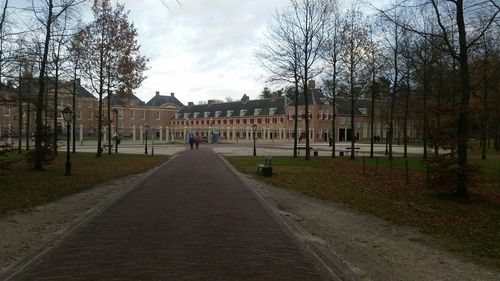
(191, 220)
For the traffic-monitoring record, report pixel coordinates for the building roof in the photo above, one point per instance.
(123, 99)
(160, 100)
(315, 97)
(80, 90)
(239, 108)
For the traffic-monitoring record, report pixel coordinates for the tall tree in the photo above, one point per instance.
(311, 20)
(113, 59)
(355, 53)
(46, 15)
(458, 21)
(280, 56)
(331, 54)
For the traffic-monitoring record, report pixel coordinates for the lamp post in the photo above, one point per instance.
(68, 117)
(386, 139)
(116, 129)
(254, 128)
(146, 128)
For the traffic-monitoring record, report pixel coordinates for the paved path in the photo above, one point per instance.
(193, 219)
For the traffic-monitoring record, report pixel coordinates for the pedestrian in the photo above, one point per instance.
(191, 141)
(197, 141)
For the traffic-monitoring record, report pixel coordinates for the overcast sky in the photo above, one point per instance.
(201, 49)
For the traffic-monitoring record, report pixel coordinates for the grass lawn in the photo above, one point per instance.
(21, 187)
(470, 227)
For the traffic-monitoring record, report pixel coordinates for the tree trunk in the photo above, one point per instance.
(334, 109)
(484, 114)
(295, 121)
(405, 122)
(20, 110)
(41, 88)
(463, 117)
(74, 106)
(28, 110)
(372, 114)
(55, 113)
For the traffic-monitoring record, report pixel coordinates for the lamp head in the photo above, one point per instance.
(67, 114)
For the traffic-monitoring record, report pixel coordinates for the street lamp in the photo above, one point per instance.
(68, 117)
(254, 128)
(146, 128)
(116, 129)
(386, 139)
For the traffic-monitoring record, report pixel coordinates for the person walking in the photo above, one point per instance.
(197, 141)
(191, 141)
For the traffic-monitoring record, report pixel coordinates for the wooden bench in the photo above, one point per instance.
(299, 148)
(348, 150)
(265, 169)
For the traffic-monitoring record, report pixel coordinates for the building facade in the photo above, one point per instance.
(167, 119)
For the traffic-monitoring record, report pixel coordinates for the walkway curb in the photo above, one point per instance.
(18, 268)
(330, 264)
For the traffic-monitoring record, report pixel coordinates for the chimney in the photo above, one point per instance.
(211, 102)
(245, 98)
(190, 103)
(172, 94)
(157, 93)
(311, 84)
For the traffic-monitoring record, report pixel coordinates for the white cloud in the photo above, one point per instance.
(201, 49)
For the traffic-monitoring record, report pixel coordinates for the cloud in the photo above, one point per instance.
(201, 49)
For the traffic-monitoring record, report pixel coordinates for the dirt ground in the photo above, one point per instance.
(363, 246)
(372, 248)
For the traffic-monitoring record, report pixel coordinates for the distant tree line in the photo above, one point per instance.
(45, 41)
(437, 62)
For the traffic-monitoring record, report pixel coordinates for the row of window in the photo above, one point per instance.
(259, 120)
(229, 113)
(320, 116)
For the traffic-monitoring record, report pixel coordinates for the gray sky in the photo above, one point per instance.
(202, 49)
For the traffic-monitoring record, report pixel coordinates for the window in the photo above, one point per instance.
(6, 110)
(272, 110)
(243, 112)
(196, 115)
(143, 115)
(90, 105)
(256, 111)
(229, 113)
(91, 114)
(206, 114)
(120, 114)
(132, 114)
(79, 115)
(218, 113)
(177, 115)
(186, 115)
(158, 115)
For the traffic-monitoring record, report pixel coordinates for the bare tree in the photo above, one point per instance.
(331, 55)
(311, 20)
(355, 52)
(280, 56)
(463, 19)
(46, 15)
